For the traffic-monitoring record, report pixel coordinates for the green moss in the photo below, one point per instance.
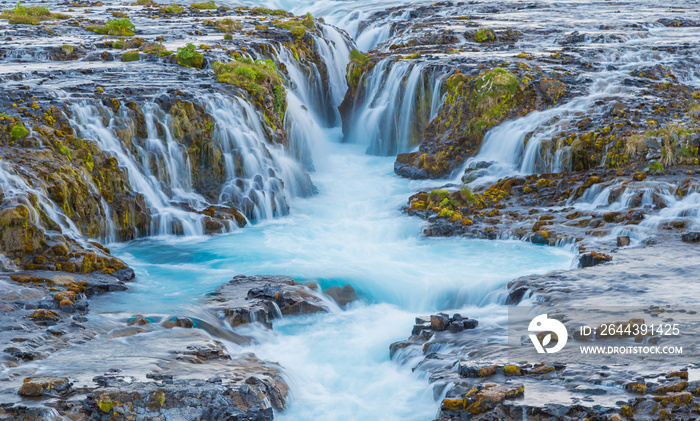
(256, 77)
(63, 150)
(120, 45)
(275, 12)
(67, 49)
(438, 195)
(226, 25)
(22, 15)
(18, 131)
(656, 167)
(308, 21)
(189, 57)
(228, 37)
(297, 28)
(497, 82)
(130, 56)
(122, 27)
(209, 5)
(172, 9)
(105, 405)
(155, 48)
(356, 68)
(484, 35)
(357, 56)
(261, 27)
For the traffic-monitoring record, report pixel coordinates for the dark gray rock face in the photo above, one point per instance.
(261, 298)
(691, 237)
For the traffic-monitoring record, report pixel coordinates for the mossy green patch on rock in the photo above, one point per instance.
(130, 56)
(172, 9)
(209, 5)
(259, 78)
(266, 11)
(33, 15)
(18, 131)
(225, 25)
(296, 27)
(189, 57)
(484, 35)
(359, 64)
(122, 27)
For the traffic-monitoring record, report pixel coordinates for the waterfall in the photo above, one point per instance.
(312, 105)
(394, 103)
(86, 118)
(16, 191)
(261, 177)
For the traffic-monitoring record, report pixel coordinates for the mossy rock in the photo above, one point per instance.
(130, 56)
(18, 132)
(484, 35)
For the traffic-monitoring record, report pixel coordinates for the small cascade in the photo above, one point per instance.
(334, 48)
(166, 217)
(42, 211)
(312, 105)
(261, 177)
(516, 146)
(394, 103)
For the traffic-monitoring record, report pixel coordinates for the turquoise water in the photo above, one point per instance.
(352, 232)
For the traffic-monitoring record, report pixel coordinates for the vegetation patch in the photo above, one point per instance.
(266, 11)
(258, 78)
(298, 27)
(18, 131)
(155, 48)
(357, 66)
(189, 57)
(117, 27)
(484, 35)
(172, 9)
(34, 15)
(130, 56)
(225, 25)
(209, 5)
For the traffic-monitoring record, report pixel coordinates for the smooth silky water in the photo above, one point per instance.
(352, 232)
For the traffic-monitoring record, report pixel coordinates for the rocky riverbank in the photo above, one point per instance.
(121, 121)
(481, 380)
(190, 375)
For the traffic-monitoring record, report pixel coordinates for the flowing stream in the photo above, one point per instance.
(352, 232)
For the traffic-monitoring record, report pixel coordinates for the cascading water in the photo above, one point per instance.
(87, 119)
(265, 176)
(352, 232)
(260, 177)
(394, 103)
(16, 191)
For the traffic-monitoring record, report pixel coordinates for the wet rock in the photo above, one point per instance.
(483, 399)
(623, 240)
(341, 295)
(691, 237)
(439, 322)
(593, 258)
(260, 298)
(45, 386)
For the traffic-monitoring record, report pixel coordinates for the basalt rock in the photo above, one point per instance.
(261, 298)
